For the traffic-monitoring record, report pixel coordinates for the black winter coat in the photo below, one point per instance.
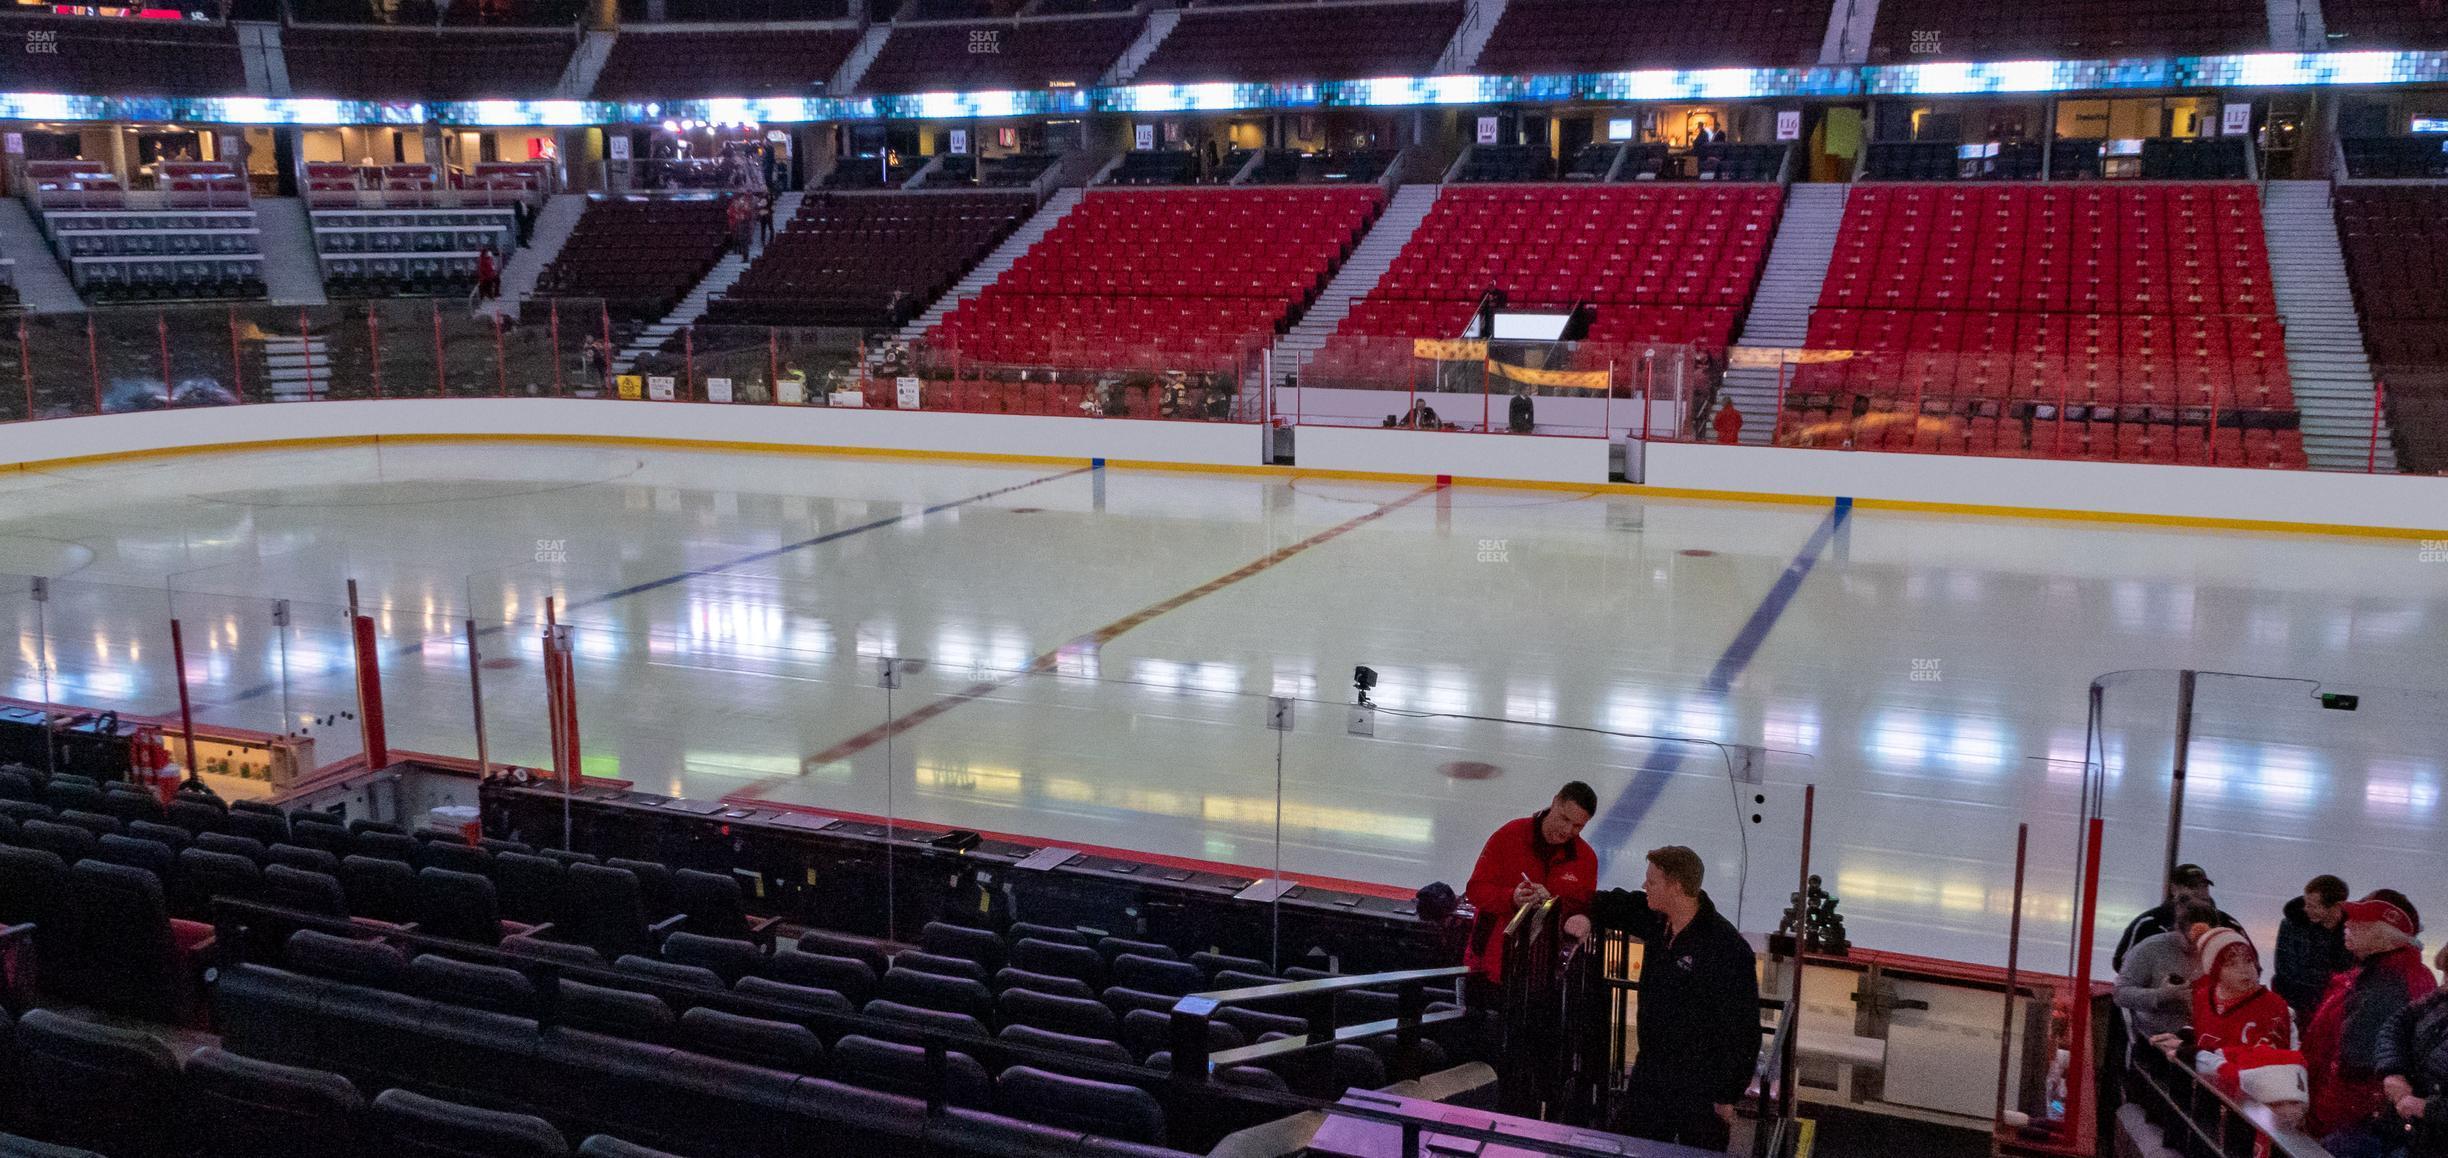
(2308, 956)
(1699, 1001)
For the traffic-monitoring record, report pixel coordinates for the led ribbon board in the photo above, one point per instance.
(2257, 70)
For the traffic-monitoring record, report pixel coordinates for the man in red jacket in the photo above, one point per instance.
(1525, 863)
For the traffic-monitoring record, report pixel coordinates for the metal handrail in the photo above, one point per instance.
(1192, 1061)
(2198, 1119)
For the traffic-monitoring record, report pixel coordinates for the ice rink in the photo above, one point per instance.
(1100, 648)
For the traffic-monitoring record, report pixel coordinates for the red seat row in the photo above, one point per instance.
(1162, 277)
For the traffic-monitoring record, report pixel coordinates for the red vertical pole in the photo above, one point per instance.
(369, 693)
(374, 347)
(2371, 459)
(93, 361)
(569, 709)
(306, 355)
(501, 365)
(552, 690)
(237, 367)
(2078, 1045)
(2014, 960)
(161, 331)
(441, 382)
(178, 660)
(688, 362)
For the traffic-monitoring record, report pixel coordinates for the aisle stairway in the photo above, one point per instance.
(1780, 309)
(1030, 233)
(292, 271)
(42, 285)
(553, 226)
(2326, 359)
(1360, 274)
(712, 285)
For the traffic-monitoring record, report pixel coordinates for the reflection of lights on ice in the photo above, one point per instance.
(2401, 788)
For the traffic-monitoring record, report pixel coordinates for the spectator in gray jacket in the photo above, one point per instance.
(2155, 982)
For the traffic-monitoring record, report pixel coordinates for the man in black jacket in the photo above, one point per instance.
(2311, 946)
(2188, 882)
(1699, 1006)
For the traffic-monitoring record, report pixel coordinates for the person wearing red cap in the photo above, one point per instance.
(2342, 1045)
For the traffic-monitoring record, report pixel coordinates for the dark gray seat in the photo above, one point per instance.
(978, 945)
(81, 1078)
(941, 1021)
(1124, 1113)
(1101, 1049)
(667, 972)
(902, 1069)
(776, 1044)
(304, 890)
(728, 959)
(1072, 1015)
(239, 1107)
(411, 1125)
(1156, 975)
(930, 991)
(802, 996)
(380, 888)
(1078, 962)
(1009, 978)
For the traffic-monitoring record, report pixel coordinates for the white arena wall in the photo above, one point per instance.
(2249, 499)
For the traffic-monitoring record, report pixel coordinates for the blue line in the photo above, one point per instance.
(1622, 815)
(265, 689)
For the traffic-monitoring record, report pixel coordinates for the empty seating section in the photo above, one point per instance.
(2396, 243)
(122, 57)
(666, 65)
(1607, 35)
(869, 260)
(1165, 279)
(418, 64)
(2396, 157)
(1315, 42)
(2087, 322)
(2374, 24)
(1006, 54)
(640, 256)
(407, 252)
(635, 12)
(2065, 29)
(1669, 264)
(194, 238)
(660, 1027)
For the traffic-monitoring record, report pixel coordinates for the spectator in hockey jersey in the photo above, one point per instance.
(2231, 1008)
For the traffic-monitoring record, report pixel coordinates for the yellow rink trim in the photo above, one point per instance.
(1635, 490)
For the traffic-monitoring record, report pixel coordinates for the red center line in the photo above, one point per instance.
(1094, 639)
